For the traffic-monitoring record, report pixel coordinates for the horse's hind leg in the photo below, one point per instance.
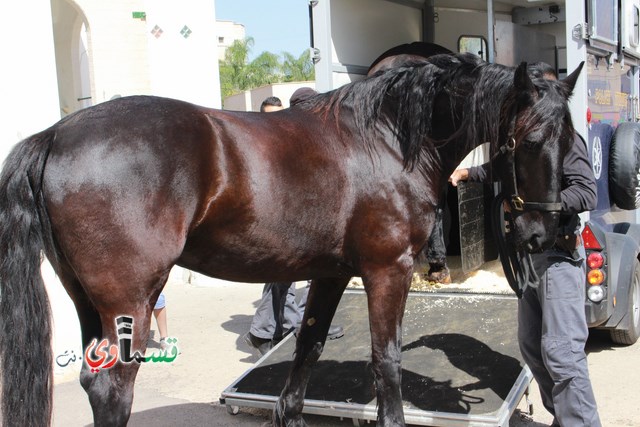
(322, 302)
(90, 328)
(90, 324)
(110, 390)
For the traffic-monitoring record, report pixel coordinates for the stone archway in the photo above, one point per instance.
(71, 35)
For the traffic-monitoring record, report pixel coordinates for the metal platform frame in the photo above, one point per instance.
(486, 322)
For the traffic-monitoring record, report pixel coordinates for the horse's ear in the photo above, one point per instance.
(521, 79)
(569, 82)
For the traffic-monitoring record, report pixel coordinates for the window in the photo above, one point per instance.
(473, 44)
(603, 20)
(635, 31)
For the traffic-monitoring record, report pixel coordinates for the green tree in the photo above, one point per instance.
(264, 70)
(234, 76)
(298, 69)
(237, 74)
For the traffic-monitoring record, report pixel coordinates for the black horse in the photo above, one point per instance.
(399, 56)
(343, 184)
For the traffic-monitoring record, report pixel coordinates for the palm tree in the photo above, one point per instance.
(234, 77)
(238, 74)
(264, 69)
(298, 69)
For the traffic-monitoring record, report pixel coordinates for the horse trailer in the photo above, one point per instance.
(347, 36)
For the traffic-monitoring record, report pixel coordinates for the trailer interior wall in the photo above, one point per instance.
(360, 32)
(558, 31)
(450, 24)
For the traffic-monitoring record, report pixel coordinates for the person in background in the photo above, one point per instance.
(552, 328)
(301, 94)
(160, 313)
(271, 104)
(263, 324)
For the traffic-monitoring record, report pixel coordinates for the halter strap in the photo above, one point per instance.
(517, 264)
(515, 201)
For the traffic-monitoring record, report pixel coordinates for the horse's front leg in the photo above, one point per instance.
(322, 302)
(387, 290)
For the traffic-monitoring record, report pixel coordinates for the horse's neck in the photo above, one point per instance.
(483, 128)
(454, 152)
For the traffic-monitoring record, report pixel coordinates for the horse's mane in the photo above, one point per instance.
(404, 99)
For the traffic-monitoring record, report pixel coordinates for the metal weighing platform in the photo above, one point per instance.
(461, 365)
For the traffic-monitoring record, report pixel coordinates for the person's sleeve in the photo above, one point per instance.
(479, 173)
(579, 183)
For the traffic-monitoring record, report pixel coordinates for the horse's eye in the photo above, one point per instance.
(533, 140)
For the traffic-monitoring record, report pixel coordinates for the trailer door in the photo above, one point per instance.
(348, 35)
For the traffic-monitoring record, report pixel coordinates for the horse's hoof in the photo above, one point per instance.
(441, 275)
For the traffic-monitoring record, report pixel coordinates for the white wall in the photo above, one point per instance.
(124, 57)
(119, 50)
(28, 86)
(250, 100)
(227, 32)
(184, 68)
(29, 104)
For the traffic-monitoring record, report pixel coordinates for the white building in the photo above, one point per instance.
(74, 53)
(63, 55)
(228, 32)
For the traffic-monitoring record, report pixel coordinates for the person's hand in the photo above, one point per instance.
(458, 175)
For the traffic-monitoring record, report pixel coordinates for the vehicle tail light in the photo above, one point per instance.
(597, 265)
(595, 277)
(590, 241)
(595, 260)
(595, 293)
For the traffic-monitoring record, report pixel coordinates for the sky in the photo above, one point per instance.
(276, 25)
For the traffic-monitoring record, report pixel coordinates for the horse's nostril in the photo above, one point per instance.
(534, 244)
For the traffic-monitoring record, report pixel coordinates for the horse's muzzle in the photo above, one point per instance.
(535, 231)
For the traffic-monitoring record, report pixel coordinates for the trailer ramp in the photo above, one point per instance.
(461, 365)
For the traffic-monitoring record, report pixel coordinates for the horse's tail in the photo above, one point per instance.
(25, 315)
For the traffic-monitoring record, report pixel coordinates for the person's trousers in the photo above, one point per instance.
(263, 324)
(552, 332)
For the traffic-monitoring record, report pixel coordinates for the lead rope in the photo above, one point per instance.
(517, 265)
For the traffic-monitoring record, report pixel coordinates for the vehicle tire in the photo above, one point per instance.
(624, 166)
(630, 336)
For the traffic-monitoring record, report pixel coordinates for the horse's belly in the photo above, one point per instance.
(246, 262)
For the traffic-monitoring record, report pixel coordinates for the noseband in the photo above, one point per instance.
(516, 202)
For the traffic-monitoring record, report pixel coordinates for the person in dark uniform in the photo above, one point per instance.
(552, 327)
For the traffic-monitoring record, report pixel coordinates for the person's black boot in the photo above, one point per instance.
(261, 344)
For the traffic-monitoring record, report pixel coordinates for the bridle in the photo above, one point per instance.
(516, 202)
(516, 264)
